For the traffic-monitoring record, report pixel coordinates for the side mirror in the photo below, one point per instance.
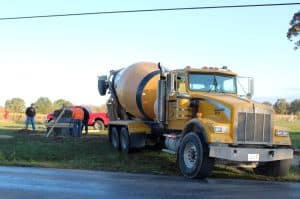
(245, 86)
(250, 88)
(102, 85)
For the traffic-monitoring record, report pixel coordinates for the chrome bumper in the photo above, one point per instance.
(249, 154)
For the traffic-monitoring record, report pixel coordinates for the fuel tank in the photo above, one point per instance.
(136, 89)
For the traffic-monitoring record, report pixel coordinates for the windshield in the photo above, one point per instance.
(212, 83)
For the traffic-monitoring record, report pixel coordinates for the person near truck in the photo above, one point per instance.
(30, 114)
(78, 116)
(85, 122)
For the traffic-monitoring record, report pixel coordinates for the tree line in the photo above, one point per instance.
(281, 106)
(43, 105)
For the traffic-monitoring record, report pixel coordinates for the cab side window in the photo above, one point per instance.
(181, 82)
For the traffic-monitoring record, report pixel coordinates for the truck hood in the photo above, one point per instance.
(234, 102)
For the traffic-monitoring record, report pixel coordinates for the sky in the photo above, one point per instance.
(62, 57)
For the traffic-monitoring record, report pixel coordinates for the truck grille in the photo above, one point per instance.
(254, 128)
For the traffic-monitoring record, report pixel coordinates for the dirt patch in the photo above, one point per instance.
(30, 132)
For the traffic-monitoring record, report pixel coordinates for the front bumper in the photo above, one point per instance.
(240, 154)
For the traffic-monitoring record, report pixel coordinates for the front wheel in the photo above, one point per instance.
(277, 168)
(193, 157)
(99, 125)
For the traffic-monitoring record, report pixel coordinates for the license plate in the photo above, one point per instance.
(253, 157)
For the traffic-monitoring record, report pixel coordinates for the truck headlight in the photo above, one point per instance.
(282, 133)
(220, 129)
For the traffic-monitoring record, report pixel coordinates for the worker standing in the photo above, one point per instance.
(30, 114)
(85, 122)
(78, 116)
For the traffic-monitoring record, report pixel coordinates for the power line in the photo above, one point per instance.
(150, 10)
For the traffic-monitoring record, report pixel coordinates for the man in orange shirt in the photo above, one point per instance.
(77, 116)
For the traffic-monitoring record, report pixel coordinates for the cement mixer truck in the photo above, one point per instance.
(195, 114)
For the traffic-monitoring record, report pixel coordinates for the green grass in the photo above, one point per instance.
(295, 137)
(291, 126)
(294, 128)
(94, 152)
(91, 152)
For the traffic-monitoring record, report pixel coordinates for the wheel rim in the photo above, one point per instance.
(114, 139)
(98, 126)
(190, 155)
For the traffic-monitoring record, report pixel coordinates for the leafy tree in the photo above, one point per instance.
(16, 105)
(294, 106)
(43, 105)
(281, 106)
(294, 30)
(267, 103)
(61, 102)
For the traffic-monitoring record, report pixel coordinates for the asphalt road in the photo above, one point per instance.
(17, 182)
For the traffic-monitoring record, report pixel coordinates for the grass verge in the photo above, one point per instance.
(93, 152)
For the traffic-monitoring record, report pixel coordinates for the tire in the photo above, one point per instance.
(99, 125)
(277, 168)
(192, 159)
(124, 140)
(114, 138)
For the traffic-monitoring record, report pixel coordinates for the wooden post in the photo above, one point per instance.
(58, 118)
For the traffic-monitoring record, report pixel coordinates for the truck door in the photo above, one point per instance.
(178, 111)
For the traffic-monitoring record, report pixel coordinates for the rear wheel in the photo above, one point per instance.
(115, 138)
(193, 157)
(99, 125)
(125, 140)
(277, 168)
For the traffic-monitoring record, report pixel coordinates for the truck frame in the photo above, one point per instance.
(200, 118)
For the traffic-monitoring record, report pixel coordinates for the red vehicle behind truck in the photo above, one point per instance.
(99, 120)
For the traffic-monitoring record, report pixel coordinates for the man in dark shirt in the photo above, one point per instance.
(30, 114)
(85, 122)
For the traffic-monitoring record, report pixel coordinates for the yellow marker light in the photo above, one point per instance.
(220, 129)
